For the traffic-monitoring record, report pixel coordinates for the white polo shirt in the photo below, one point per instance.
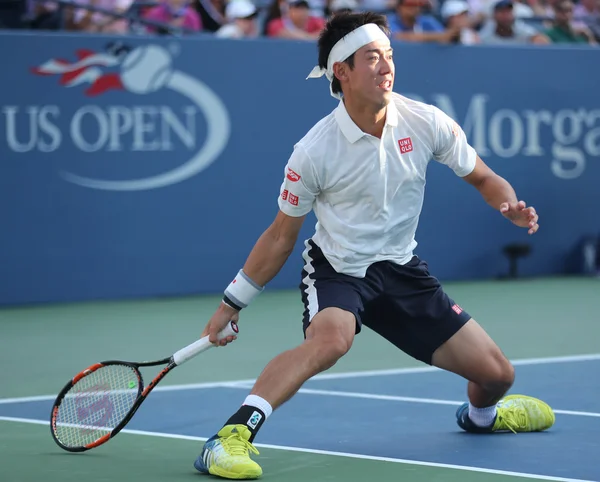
(367, 193)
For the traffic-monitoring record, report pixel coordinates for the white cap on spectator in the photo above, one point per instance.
(453, 7)
(343, 5)
(239, 9)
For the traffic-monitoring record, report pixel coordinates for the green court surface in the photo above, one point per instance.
(41, 347)
(139, 458)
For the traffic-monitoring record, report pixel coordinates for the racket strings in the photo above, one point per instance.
(96, 404)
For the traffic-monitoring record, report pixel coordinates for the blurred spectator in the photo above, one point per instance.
(241, 15)
(586, 14)
(342, 6)
(524, 8)
(409, 23)
(292, 19)
(563, 30)
(483, 10)
(13, 13)
(587, 9)
(541, 8)
(505, 29)
(176, 13)
(89, 21)
(455, 14)
(212, 14)
(44, 16)
(317, 8)
(379, 6)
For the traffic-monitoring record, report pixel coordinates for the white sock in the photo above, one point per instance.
(482, 417)
(260, 403)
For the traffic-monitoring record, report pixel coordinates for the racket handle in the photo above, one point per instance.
(203, 344)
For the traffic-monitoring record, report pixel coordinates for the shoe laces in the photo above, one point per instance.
(235, 444)
(513, 418)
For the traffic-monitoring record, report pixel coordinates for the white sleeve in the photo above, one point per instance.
(300, 186)
(523, 31)
(450, 145)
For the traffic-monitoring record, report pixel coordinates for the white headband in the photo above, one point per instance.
(345, 47)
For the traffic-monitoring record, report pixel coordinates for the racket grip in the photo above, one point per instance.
(203, 344)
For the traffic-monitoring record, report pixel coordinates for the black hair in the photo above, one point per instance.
(339, 26)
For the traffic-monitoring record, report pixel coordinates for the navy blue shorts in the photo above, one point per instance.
(402, 303)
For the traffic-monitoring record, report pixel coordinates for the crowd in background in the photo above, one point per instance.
(465, 22)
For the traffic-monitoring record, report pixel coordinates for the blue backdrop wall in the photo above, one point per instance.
(150, 167)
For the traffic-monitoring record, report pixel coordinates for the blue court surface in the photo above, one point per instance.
(403, 414)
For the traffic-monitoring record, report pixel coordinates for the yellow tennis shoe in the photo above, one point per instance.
(515, 413)
(227, 455)
(519, 413)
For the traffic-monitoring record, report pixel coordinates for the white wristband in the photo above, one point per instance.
(241, 291)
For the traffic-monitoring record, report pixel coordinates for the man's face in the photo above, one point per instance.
(504, 16)
(409, 9)
(563, 13)
(459, 21)
(372, 78)
(248, 26)
(298, 15)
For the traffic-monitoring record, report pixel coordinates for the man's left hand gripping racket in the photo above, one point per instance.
(98, 402)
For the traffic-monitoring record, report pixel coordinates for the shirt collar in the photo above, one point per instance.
(351, 131)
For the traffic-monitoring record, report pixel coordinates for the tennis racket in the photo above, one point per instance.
(98, 402)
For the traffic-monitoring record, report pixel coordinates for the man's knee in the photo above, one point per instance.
(332, 350)
(330, 335)
(500, 373)
(472, 354)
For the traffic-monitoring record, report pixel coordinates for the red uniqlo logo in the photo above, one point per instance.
(455, 129)
(292, 176)
(457, 309)
(405, 145)
(293, 200)
(284, 195)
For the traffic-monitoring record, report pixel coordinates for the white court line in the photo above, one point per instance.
(395, 398)
(332, 376)
(337, 454)
(580, 414)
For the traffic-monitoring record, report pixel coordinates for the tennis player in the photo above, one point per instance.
(362, 169)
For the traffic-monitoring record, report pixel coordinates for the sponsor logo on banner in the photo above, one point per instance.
(130, 106)
(567, 139)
